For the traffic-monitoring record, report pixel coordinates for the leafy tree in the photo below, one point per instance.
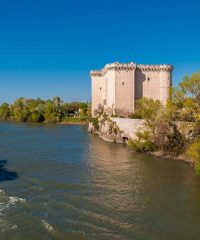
(51, 112)
(148, 109)
(5, 111)
(18, 110)
(38, 110)
(83, 111)
(186, 98)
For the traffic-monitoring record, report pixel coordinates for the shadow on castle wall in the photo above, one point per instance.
(140, 79)
(5, 174)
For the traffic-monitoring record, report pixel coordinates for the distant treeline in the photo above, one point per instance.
(38, 110)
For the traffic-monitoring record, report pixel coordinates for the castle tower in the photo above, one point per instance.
(113, 88)
(117, 86)
(165, 82)
(125, 88)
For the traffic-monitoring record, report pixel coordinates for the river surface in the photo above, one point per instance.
(60, 182)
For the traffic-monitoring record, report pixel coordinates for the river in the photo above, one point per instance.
(60, 182)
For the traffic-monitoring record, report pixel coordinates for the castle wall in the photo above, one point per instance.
(147, 84)
(125, 91)
(117, 86)
(98, 92)
(139, 82)
(110, 92)
(153, 82)
(165, 84)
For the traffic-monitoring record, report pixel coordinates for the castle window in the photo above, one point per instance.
(148, 78)
(100, 88)
(123, 83)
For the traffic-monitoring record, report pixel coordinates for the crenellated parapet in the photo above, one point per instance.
(96, 73)
(158, 68)
(114, 66)
(120, 66)
(131, 67)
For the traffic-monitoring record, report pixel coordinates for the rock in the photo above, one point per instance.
(91, 127)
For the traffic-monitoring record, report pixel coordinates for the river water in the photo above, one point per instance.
(60, 182)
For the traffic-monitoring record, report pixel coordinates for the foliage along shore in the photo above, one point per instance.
(45, 111)
(161, 135)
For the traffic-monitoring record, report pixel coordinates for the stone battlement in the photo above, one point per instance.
(161, 67)
(116, 66)
(131, 66)
(96, 73)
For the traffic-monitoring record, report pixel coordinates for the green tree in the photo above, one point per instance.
(19, 112)
(148, 109)
(83, 111)
(51, 112)
(186, 98)
(5, 111)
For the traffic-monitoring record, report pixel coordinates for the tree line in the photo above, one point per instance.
(38, 110)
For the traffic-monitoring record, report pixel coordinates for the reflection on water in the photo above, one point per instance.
(6, 175)
(73, 185)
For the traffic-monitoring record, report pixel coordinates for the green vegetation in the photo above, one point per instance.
(95, 123)
(74, 119)
(194, 152)
(143, 143)
(49, 111)
(162, 131)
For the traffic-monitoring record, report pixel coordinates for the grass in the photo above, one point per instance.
(74, 120)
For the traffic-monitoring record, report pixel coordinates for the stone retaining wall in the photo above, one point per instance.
(129, 126)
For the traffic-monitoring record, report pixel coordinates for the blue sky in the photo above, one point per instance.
(48, 47)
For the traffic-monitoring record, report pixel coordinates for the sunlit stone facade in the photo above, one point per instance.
(117, 86)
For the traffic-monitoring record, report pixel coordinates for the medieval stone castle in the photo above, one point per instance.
(117, 86)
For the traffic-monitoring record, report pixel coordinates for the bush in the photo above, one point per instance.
(114, 115)
(143, 143)
(197, 167)
(135, 115)
(115, 130)
(168, 138)
(95, 123)
(138, 146)
(194, 153)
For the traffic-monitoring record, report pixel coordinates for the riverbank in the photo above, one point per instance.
(169, 156)
(73, 123)
(123, 130)
(65, 121)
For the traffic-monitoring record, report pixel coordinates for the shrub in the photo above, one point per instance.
(197, 167)
(194, 153)
(95, 123)
(168, 138)
(135, 115)
(115, 130)
(143, 143)
(138, 146)
(114, 115)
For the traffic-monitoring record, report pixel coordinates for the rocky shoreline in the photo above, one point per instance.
(109, 131)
